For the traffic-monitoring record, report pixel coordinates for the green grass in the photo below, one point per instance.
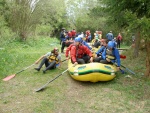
(65, 95)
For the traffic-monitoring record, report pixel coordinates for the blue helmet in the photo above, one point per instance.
(77, 39)
(111, 44)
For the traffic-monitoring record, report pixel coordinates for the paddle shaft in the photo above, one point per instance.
(125, 68)
(51, 81)
(29, 67)
(64, 60)
(25, 69)
(128, 69)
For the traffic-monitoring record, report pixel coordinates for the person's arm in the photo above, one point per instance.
(36, 62)
(100, 50)
(67, 51)
(73, 54)
(117, 57)
(104, 54)
(46, 55)
(60, 62)
(84, 43)
(88, 52)
(117, 60)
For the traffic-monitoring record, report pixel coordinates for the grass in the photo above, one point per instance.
(65, 95)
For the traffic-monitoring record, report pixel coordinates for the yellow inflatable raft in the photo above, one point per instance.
(92, 72)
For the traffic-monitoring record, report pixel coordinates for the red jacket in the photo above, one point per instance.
(73, 33)
(119, 37)
(78, 52)
(68, 49)
(69, 34)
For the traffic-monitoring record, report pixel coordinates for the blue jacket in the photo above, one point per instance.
(84, 43)
(115, 52)
(100, 50)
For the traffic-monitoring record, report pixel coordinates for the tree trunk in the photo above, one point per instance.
(147, 72)
(137, 44)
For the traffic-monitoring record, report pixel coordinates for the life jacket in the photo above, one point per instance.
(53, 57)
(109, 55)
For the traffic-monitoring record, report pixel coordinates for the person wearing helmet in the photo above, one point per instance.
(104, 43)
(51, 60)
(84, 42)
(111, 54)
(79, 53)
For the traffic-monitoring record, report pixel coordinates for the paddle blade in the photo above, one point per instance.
(40, 89)
(9, 77)
(123, 56)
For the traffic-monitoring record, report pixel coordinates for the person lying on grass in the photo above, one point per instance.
(51, 60)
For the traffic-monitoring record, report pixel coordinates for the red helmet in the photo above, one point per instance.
(56, 50)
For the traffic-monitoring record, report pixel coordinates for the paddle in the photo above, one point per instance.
(13, 75)
(43, 87)
(128, 69)
(122, 56)
(122, 71)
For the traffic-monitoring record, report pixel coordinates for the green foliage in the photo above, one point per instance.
(6, 35)
(77, 11)
(131, 15)
(53, 15)
(21, 19)
(44, 30)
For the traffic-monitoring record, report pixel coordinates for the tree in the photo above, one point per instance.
(21, 17)
(134, 15)
(53, 16)
(77, 10)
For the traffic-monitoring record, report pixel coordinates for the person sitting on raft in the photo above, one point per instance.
(79, 53)
(110, 55)
(104, 43)
(84, 42)
(51, 60)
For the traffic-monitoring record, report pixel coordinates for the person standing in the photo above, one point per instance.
(70, 35)
(119, 38)
(62, 35)
(110, 36)
(73, 33)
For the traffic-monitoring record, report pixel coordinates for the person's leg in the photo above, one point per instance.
(86, 58)
(97, 59)
(44, 61)
(80, 61)
(117, 43)
(62, 47)
(50, 66)
(105, 62)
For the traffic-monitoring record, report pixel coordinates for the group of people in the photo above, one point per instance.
(80, 53)
(117, 39)
(67, 37)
